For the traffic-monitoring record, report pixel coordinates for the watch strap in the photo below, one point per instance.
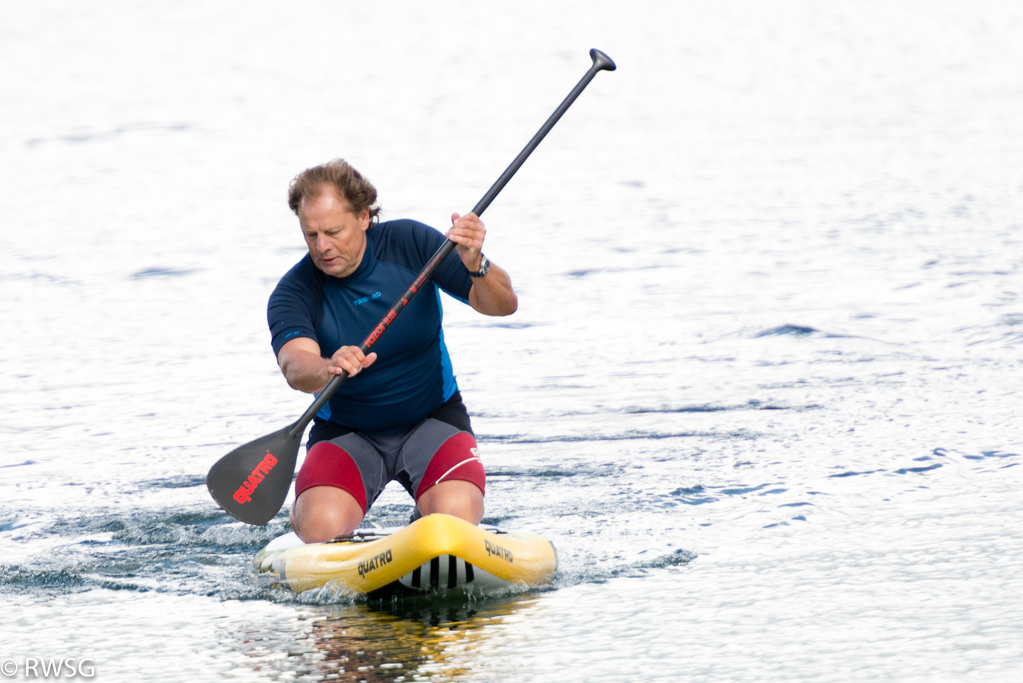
(484, 267)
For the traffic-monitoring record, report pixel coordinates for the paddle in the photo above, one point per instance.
(252, 481)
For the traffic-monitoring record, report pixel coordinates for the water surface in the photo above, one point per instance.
(762, 391)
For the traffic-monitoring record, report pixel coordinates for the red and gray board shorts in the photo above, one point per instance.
(362, 464)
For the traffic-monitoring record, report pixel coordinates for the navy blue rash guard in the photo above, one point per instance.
(412, 375)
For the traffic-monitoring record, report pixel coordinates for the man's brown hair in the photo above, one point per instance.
(339, 175)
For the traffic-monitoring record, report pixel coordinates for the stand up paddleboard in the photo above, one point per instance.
(435, 553)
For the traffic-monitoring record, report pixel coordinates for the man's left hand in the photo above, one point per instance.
(468, 233)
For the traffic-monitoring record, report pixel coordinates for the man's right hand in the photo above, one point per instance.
(306, 370)
(349, 358)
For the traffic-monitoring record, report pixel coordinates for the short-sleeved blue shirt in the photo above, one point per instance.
(412, 375)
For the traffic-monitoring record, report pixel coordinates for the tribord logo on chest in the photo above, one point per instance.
(366, 566)
(366, 299)
(244, 493)
(498, 551)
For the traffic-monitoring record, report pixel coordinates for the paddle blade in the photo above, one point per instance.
(252, 481)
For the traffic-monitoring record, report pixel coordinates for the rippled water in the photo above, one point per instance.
(762, 392)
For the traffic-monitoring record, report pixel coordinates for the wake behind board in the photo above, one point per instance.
(435, 553)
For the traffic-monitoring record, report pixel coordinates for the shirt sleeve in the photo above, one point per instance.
(295, 306)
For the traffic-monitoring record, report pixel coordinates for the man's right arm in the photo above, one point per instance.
(306, 370)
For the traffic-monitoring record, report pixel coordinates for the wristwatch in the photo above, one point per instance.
(484, 267)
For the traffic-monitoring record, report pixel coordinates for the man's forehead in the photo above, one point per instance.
(321, 192)
(329, 198)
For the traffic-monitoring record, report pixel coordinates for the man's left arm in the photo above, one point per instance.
(491, 294)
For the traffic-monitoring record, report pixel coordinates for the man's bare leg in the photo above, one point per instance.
(324, 512)
(458, 498)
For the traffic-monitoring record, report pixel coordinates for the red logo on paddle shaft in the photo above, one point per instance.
(379, 330)
(244, 493)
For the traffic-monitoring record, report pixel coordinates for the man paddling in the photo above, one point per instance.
(403, 418)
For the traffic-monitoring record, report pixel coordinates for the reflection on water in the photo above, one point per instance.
(405, 639)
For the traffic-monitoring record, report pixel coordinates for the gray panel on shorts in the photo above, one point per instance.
(367, 459)
(403, 456)
(420, 447)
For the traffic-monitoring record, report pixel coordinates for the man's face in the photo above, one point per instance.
(336, 237)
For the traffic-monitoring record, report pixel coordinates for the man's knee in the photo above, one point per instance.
(455, 497)
(324, 512)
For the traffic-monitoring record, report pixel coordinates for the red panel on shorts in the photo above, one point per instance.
(327, 464)
(457, 458)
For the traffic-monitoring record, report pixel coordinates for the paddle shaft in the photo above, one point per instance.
(601, 62)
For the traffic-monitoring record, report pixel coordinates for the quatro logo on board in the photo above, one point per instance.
(366, 566)
(244, 493)
(498, 551)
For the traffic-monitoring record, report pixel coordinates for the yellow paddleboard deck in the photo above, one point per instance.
(435, 553)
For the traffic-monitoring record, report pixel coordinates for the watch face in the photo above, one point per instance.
(484, 268)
